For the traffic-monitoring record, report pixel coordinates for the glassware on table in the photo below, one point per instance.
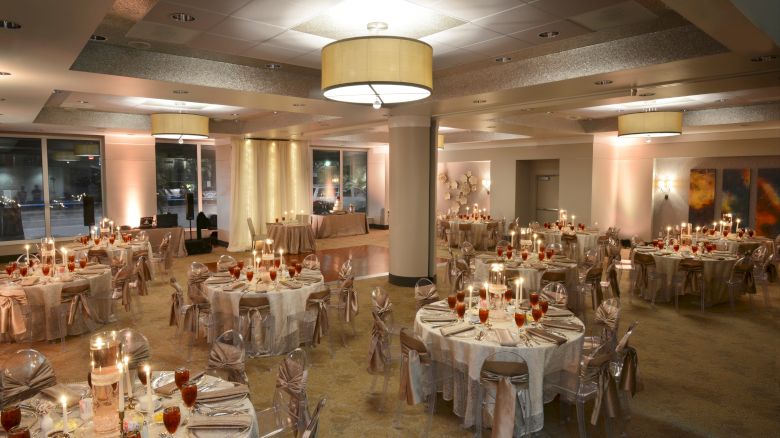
(533, 298)
(83, 262)
(661, 245)
(676, 247)
(277, 263)
(549, 253)
(298, 267)
(236, 272)
(484, 314)
(97, 241)
(291, 271)
(240, 264)
(508, 296)
(750, 232)
(111, 239)
(181, 375)
(694, 248)
(9, 269)
(452, 300)
(19, 432)
(189, 393)
(544, 305)
(23, 270)
(71, 266)
(249, 275)
(460, 308)
(171, 419)
(272, 274)
(524, 255)
(461, 295)
(45, 269)
(72, 258)
(541, 256)
(500, 251)
(519, 319)
(482, 293)
(725, 233)
(10, 417)
(509, 254)
(536, 313)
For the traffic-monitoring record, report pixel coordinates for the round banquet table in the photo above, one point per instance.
(284, 301)
(478, 231)
(738, 247)
(293, 238)
(115, 251)
(717, 270)
(44, 294)
(531, 271)
(464, 355)
(588, 239)
(84, 428)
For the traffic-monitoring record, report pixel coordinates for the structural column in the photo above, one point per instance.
(412, 212)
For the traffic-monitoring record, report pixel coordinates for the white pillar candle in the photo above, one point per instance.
(150, 400)
(668, 229)
(534, 242)
(257, 263)
(121, 386)
(738, 221)
(517, 294)
(281, 257)
(254, 256)
(64, 401)
(27, 249)
(522, 281)
(539, 245)
(128, 380)
(471, 292)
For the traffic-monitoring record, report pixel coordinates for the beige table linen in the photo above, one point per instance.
(293, 238)
(478, 232)
(716, 273)
(156, 236)
(531, 275)
(462, 357)
(339, 225)
(586, 240)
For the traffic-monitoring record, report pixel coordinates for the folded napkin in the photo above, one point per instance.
(434, 319)
(563, 325)
(545, 335)
(97, 266)
(505, 338)
(219, 280)
(455, 329)
(222, 274)
(562, 259)
(58, 390)
(169, 388)
(289, 284)
(203, 422)
(236, 285)
(219, 395)
(29, 281)
(310, 277)
(556, 312)
(437, 308)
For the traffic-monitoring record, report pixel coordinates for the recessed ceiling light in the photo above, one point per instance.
(180, 92)
(503, 59)
(603, 82)
(273, 66)
(4, 73)
(96, 37)
(549, 34)
(12, 25)
(478, 101)
(764, 58)
(139, 45)
(182, 17)
(276, 112)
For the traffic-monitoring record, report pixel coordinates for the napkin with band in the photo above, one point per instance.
(169, 388)
(455, 329)
(563, 325)
(505, 338)
(58, 390)
(545, 335)
(441, 318)
(206, 422)
(437, 308)
(223, 394)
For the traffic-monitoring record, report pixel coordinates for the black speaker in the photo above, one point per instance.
(190, 207)
(169, 220)
(89, 210)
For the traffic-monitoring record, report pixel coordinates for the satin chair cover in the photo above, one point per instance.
(101, 255)
(349, 298)
(122, 283)
(228, 356)
(425, 293)
(379, 346)
(608, 314)
(255, 314)
(177, 302)
(144, 272)
(320, 301)
(291, 380)
(77, 298)
(414, 356)
(12, 319)
(597, 367)
(509, 378)
(25, 374)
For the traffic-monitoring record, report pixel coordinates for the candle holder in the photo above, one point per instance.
(105, 351)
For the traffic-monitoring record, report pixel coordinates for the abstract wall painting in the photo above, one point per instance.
(735, 194)
(701, 197)
(768, 202)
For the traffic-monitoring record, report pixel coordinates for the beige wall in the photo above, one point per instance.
(130, 178)
(479, 170)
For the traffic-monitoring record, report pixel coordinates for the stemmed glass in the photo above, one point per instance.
(541, 256)
(519, 319)
(250, 273)
(524, 256)
(189, 393)
(694, 248)
(10, 417)
(82, 262)
(45, 270)
(484, 314)
(544, 305)
(500, 251)
(272, 274)
(23, 270)
(298, 268)
(460, 308)
(452, 300)
(536, 313)
(509, 252)
(181, 375)
(171, 419)
(508, 297)
(19, 432)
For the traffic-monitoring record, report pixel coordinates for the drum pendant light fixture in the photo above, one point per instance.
(180, 127)
(377, 70)
(650, 124)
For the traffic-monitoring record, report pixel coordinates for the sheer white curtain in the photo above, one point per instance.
(268, 178)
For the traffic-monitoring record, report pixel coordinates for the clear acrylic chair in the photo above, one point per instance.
(178, 306)
(198, 315)
(497, 370)
(308, 327)
(738, 281)
(142, 236)
(225, 262)
(227, 358)
(162, 259)
(604, 328)
(689, 277)
(256, 324)
(136, 347)
(646, 276)
(557, 249)
(425, 292)
(314, 423)
(253, 236)
(24, 374)
(582, 386)
(502, 244)
(124, 295)
(311, 262)
(344, 301)
(382, 334)
(289, 412)
(760, 272)
(416, 358)
(623, 360)
(555, 294)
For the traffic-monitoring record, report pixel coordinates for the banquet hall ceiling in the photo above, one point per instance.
(252, 66)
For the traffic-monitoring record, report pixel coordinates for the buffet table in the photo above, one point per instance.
(464, 355)
(339, 225)
(293, 238)
(156, 236)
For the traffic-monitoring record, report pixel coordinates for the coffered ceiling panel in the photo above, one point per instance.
(273, 53)
(628, 12)
(470, 9)
(220, 44)
(564, 29)
(219, 6)
(497, 46)
(299, 41)
(464, 35)
(148, 30)
(287, 13)
(517, 19)
(567, 8)
(244, 29)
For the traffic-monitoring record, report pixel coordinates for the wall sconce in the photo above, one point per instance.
(665, 187)
(486, 185)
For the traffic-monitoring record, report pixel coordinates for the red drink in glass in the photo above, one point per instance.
(189, 393)
(660, 245)
(533, 298)
(676, 247)
(19, 432)
(536, 313)
(97, 240)
(240, 264)
(541, 256)
(72, 258)
(298, 267)
(181, 376)
(10, 417)
(750, 233)
(725, 233)
(484, 312)
(544, 305)
(461, 296)
(277, 263)
(482, 293)
(71, 266)
(500, 250)
(82, 263)
(740, 234)
(508, 295)
(452, 299)
(272, 273)
(549, 253)
(524, 255)
(509, 254)
(9, 269)
(695, 248)
(542, 247)
(461, 309)
(519, 319)
(291, 271)
(249, 275)
(171, 418)
(45, 270)
(111, 239)
(23, 271)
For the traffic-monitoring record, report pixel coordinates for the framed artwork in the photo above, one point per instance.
(701, 197)
(768, 202)
(735, 194)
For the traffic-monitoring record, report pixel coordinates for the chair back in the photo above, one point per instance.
(25, 373)
(135, 346)
(227, 357)
(225, 262)
(425, 292)
(197, 274)
(290, 396)
(509, 371)
(251, 226)
(311, 428)
(641, 258)
(311, 262)
(554, 276)
(142, 236)
(555, 293)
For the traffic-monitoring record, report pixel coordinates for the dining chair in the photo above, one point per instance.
(309, 326)
(418, 381)
(136, 347)
(253, 236)
(503, 395)
(646, 276)
(382, 333)
(624, 371)
(256, 324)
(227, 358)
(311, 262)
(225, 262)
(24, 374)
(555, 293)
(689, 277)
(742, 280)
(313, 425)
(425, 293)
(289, 412)
(75, 309)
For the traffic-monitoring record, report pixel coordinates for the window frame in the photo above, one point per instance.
(341, 151)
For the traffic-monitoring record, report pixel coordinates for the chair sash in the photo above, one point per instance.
(320, 300)
(607, 315)
(426, 295)
(508, 376)
(144, 275)
(349, 298)
(79, 305)
(256, 316)
(345, 272)
(191, 318)
(15, 390)
(292, 380)
(195, 287)
(137, 353)
(628, 374)
(311, 427)
(175, 309)
(383, 306)
(606, 395)
(412, 381)
(228, 358)
(378, 348)
(11, 316)
(613, 281)
(123, 284)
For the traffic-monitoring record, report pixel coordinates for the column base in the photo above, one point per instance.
(399, 280)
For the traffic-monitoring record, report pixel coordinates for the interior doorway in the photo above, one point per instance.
(546, 198)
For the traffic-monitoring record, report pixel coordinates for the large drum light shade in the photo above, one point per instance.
(364, 69)
(180, 126)
(650, 124)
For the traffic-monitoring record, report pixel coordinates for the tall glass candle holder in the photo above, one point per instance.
(105, 351)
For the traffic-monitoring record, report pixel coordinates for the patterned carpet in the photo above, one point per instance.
(707, 374)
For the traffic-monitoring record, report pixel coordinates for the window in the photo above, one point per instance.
(21, 184)
(208, 177)
(177, 175)
(339, 173)
(74, 168)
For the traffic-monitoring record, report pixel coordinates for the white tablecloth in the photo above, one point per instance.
(339, 225)
(585, 240)
(740, 246)
(113, 250)
(532, 276)
(716, 271)
(156, 236)
(284, 302)
(465, 355)
(478, 231)
(293, 238)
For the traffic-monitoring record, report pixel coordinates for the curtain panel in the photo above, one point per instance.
(268, 178)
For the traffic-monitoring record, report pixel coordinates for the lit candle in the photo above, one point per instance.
(698, 228)
(128, 381)
(517, 294)
(150, 400)
(471, 292)
(534, 242)
(121, 385)
(573, 217)
(27, 248)
(522, 281)
(668, 230)
(513, 237)
(257, 262)
(64, 257)
(738, 221)
(64, 401)
(281, 257)
(254, 256)
(487, 291)
(539, 245)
